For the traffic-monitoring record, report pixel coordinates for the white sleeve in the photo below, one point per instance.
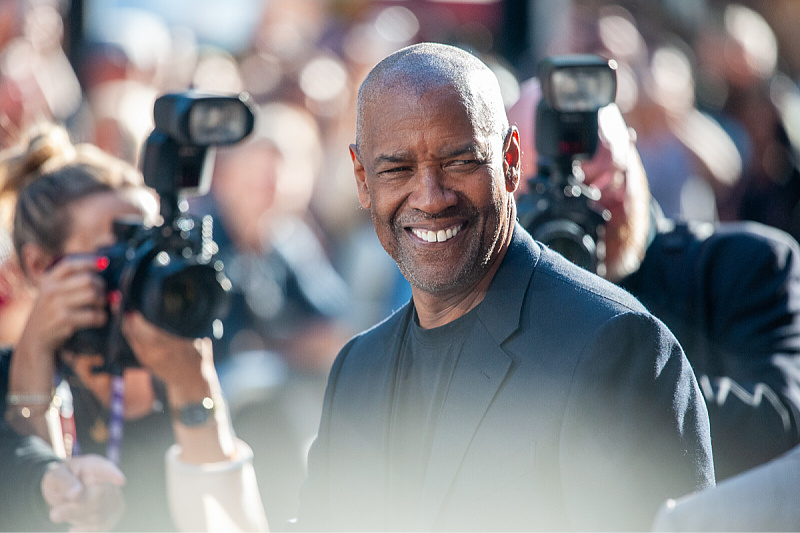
(220, 496)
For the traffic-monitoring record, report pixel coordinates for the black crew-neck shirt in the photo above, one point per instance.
(425, 366)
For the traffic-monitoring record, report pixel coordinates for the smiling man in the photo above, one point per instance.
(515, 390)
(436, 166)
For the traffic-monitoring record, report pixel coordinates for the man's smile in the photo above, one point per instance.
(441, 235)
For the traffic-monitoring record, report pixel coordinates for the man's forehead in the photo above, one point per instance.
(400, 103)
(440, 115)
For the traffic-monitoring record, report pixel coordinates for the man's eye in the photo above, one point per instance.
(393, 170)
(463, 163)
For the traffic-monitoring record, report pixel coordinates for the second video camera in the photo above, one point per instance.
(169, 272)
(559, 209)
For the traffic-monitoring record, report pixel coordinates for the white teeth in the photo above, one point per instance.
(436, 236)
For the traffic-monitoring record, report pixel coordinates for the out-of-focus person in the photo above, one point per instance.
(125, 60)
(729, 292)
(15, 298)
(741, 84)
(287, 296)
(288, 311)
(762, 499)
(168, 403)
(37, 81)
(692, 163)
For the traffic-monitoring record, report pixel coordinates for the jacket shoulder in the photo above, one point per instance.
(372, 341)
(575, 282)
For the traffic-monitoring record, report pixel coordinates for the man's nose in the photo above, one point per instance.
(431, 194)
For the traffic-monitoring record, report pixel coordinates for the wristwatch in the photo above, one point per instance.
(196, 413)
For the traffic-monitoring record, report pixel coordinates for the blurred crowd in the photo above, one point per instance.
(710, 87)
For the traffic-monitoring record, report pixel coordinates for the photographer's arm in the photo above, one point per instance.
(30, 391)
(211, 480)
(70, 297)
(751, 374)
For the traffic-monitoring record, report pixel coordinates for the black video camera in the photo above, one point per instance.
(169, 272)
(559, 209)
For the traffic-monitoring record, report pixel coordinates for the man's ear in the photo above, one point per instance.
(35, 261)
(512, 160)
(361, 178)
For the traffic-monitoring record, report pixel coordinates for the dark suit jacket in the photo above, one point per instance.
(766, 498)
(731, 296)
(570, 407)
(23, 462)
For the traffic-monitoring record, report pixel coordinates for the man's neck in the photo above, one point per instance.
(436, 310)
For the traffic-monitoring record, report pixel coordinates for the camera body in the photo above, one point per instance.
(169, 272)
(172, 278)
(559, 209)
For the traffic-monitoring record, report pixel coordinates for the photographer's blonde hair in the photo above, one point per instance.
(44, 174)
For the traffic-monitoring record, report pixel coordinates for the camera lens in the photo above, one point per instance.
(574, 251)
(570, 240)
(183, 296)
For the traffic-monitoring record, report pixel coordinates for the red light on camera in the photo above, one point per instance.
(114, 297)
(102, 263)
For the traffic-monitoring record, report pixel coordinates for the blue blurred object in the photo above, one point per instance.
(228, 25)
(251, 377)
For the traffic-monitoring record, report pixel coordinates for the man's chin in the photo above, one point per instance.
(438, 281)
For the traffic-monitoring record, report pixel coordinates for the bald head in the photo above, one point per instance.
(424, 67)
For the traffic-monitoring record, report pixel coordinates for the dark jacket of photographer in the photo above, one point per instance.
(23, 462)
(731, 295)
(145, 442)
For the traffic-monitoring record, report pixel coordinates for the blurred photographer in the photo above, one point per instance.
(287, 302)
(65, 198)
(730, 293)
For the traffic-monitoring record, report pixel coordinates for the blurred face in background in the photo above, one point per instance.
(245, 186)
(91, 220)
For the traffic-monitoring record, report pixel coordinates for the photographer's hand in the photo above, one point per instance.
(70, 297)
(186, 366)
(607, 169)
(203, 495)
(85, 493)
(616, 170)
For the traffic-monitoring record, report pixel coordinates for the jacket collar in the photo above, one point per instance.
(501, 309)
